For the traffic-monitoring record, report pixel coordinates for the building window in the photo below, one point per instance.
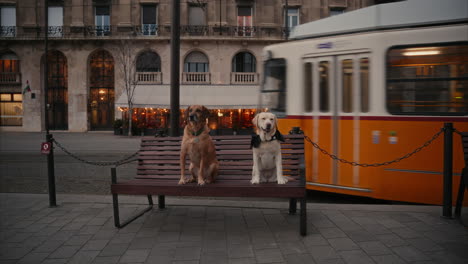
(244, 21)
(57, 90)
(9, 69)
(148, 62)
(244, 62)
(336, 11)
(364, 64)
(7, 21)
(197, 20)
(149, 24)
(429, 80)
(55, 21)
(293, 17)
(102, 20)
(11, 109)
(308, 87)
(196, 62)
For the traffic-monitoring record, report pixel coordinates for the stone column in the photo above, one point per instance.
(77, 19)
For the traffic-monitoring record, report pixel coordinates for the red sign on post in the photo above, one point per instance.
(45, 147)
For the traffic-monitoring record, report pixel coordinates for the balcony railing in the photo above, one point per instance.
(149, 77)
(196, 78)
(10, 78)
(143, 30)
(7, 31)
(244, 78)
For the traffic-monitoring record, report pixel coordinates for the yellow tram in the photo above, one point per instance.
(373, 85)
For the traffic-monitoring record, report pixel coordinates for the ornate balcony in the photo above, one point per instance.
(10, 78)
(149, 77)
(196, 78)
(7, 31)
(142, 31)
(244, 78)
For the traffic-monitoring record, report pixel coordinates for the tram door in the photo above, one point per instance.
(340, 87)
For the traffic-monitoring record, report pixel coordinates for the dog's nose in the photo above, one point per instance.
(268, 126)
(192, 117)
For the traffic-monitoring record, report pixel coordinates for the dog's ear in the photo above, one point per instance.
(255, 120)
(276, 122)
(187, 114)
(205, 113)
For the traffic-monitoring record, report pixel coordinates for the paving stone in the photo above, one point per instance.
(134, 255)
(33, 258)
(187, 253)
(242, 261)
(333, 232)
(95, 244)
(392, 240)
(342, 243)
(64, 252)
(77, 240)
(374, 248)
(213, 258)
(299, 259)
(388, 259)
(355, 257)
(49, 246)
(410, 253)
(424, 244)
(84, 256)
(113, 250)
(268, 256)
(240, 251)
(108, 260)
(55, 261)
(323, 252)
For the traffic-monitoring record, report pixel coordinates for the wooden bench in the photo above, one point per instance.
(158, 173)
(464, 176)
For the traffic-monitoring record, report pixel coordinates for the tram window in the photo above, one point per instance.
(347, 85)
(431, 80)
(364, 65)
(308, 102)
(273, 93)
(324, 68)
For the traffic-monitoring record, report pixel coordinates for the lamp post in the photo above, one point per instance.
(175, 69)
(49, 137)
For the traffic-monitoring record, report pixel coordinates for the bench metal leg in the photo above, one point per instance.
(115, 200)
(292, 206)
(161, 201)
(303, 224)
(461, 193)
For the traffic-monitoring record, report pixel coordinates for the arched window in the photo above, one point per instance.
(57, 87)
(101, 98)
(148, 61)
(11, 99)
(196, 62)
(244, 62)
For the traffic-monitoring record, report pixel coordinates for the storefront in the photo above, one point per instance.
(232, 108)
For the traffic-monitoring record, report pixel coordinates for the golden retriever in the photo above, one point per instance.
(267, 163)
(197, 143)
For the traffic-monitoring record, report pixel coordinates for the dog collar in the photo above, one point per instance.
(198, 132)
(256, 140)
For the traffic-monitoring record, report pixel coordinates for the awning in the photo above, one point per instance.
(211, 96)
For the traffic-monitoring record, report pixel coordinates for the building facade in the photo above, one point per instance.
(221, 44)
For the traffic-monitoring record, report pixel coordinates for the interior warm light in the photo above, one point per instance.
(102, 91)
(421, 51)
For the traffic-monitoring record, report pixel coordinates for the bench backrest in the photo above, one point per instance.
(159, 157)
(465, 146)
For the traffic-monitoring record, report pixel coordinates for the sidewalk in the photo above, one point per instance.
(80, 230)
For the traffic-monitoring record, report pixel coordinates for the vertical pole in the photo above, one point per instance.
(448, 158)
(115, 198)
(49, 137)
(175, 68)
(286, 21)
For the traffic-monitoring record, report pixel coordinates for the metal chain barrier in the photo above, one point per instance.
(98, 163)
(427, 143)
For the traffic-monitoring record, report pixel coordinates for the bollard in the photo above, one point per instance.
(51, 172)
(448, 166)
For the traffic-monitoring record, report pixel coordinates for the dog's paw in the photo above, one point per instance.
(201, 182)
(255, 181)
(182, 181)
(282, 180)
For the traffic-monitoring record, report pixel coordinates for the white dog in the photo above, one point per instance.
(267, 163)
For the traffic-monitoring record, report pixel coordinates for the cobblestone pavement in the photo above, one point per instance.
(80, 230)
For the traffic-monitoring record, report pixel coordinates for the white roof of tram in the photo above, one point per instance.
(392, 15)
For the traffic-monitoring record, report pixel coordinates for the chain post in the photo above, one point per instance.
(448, 166)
